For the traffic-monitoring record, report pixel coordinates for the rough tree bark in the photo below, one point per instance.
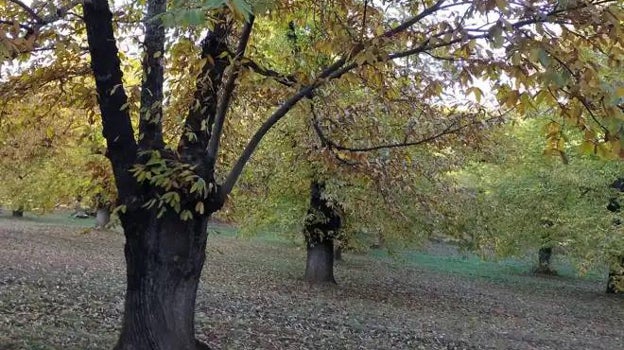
(164, 259)
(320, 229)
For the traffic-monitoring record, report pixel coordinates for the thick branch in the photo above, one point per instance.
(150, 122)
(228, 89)
(198, 124)
(117, 128)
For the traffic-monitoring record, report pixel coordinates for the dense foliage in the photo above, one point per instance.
(521, 198)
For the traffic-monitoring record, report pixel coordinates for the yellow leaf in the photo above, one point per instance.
(476, 91)
(587, 147)
(199, 207)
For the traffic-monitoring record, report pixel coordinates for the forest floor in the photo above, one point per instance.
(61, 287)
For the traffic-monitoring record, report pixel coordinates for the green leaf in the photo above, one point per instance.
(543, 57)
(240, 8)
(194, 17)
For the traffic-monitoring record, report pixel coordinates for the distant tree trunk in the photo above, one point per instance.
(544, 259)
(616, 278)
(616, 275)
(102, 217)
(320, 229)
(18, 213)
(379, 241)
(320, 262)
(164, 260)
(338, 252)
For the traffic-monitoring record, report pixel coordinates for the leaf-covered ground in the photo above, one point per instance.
(62, 288)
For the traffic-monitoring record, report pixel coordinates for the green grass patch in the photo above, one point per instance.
(469, 265)
(63, 218)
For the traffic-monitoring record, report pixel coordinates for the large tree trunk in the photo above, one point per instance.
(321, 227)
(615, 282)
(164, 259)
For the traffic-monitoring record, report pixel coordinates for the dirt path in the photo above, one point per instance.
(62, 289)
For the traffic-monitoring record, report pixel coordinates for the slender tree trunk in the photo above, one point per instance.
(164, 259)
(321, 226)
(616, 279)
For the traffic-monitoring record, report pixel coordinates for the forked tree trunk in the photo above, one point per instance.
(615, 282)
(164, 256)
(322, 224)
(164, 259)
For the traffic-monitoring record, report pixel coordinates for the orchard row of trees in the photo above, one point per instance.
(345, 116)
